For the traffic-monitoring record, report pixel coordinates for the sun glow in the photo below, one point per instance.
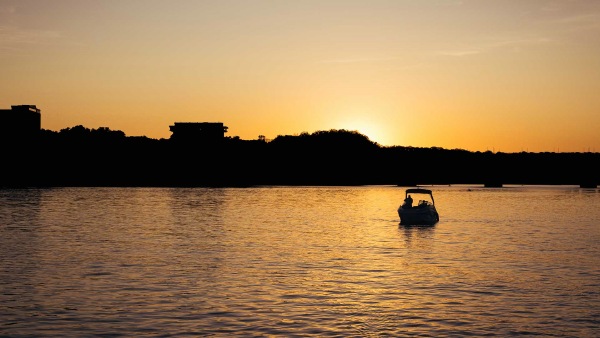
(366, 127)
(370, 118)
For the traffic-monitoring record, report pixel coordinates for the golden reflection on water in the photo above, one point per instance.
(285, 261)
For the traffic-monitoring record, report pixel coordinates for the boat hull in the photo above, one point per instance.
(418, 215)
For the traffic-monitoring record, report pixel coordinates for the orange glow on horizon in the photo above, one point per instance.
(507, 75)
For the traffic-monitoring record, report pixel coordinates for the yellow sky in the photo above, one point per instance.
(503, 75)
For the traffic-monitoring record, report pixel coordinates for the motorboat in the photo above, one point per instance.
(423, 213)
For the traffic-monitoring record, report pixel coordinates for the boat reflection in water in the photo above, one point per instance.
(424, 213)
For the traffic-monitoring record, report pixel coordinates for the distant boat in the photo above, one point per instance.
(424, 213)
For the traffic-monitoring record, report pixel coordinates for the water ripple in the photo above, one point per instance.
(297, 262)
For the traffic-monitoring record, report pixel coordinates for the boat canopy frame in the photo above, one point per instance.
(420, 191)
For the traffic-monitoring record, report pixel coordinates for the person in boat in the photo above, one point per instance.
(408, 201)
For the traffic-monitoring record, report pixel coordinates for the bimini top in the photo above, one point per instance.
(418, 191)
(421, 191)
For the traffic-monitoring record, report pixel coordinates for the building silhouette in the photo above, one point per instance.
(195, 132)
(21, 123)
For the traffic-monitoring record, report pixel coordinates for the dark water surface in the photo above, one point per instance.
(298, 261)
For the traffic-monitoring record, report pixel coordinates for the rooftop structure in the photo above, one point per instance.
(198, 131)
(21, 122)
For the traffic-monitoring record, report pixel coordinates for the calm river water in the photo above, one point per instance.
(298, 261)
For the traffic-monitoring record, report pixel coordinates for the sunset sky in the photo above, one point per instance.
(501, 75)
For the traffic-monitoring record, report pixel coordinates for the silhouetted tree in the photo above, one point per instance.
(79, 156)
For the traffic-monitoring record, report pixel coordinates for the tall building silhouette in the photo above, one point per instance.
(21, 123)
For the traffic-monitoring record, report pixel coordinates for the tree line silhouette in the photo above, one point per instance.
(80, 156)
